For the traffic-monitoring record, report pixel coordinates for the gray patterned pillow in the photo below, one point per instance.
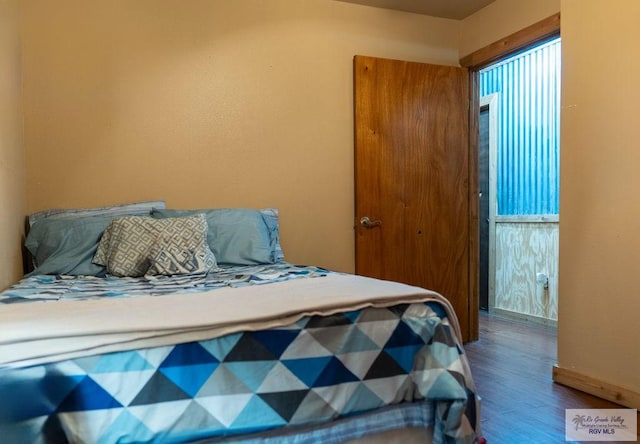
(139, 245)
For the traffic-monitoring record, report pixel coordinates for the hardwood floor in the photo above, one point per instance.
(511, 364)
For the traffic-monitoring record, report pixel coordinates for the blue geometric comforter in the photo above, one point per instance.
(317, 369)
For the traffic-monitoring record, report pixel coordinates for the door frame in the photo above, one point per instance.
(491, 102)
(540, 32)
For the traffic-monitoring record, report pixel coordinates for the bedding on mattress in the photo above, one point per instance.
(54, 287)
(229, 354)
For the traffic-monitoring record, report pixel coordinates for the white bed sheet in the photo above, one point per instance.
(67, 329)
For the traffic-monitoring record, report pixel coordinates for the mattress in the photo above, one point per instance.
(285, 351)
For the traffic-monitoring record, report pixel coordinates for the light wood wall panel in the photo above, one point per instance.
(522, 251)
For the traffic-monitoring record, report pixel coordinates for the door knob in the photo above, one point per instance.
(368, 223)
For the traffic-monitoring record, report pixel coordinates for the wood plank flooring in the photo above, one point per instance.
(511, 364)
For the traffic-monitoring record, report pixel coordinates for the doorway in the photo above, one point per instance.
(519, 184)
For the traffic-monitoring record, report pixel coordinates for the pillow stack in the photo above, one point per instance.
(147, 239)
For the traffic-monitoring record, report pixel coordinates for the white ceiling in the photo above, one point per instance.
(453, 9)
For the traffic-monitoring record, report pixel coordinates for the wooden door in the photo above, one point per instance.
(412, 177)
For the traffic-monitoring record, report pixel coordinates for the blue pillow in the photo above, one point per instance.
(66, 246)
(237, 236)
(63, 241)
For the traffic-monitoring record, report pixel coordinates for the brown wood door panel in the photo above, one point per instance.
(412, 173)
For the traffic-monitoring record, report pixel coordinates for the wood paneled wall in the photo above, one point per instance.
(522, 251)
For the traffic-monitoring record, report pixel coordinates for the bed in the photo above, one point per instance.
(121, 334)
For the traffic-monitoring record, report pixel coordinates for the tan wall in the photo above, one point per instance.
(209, 104)
(599, 303)
(500, 19)
(12, 165)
